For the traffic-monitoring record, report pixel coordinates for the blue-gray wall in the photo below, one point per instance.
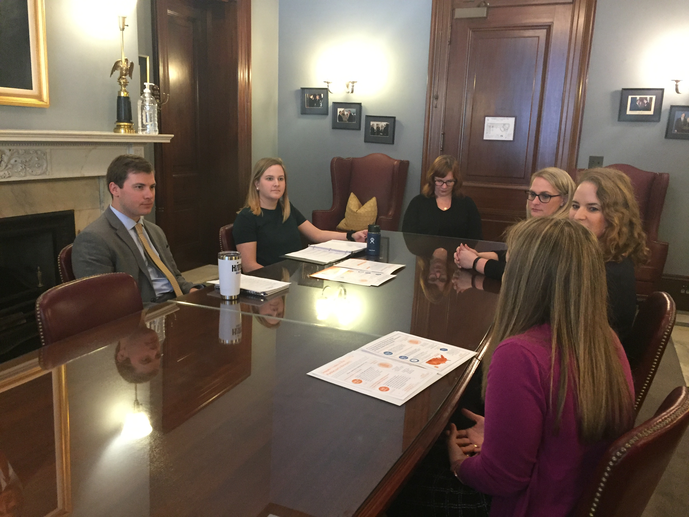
(264, 78)
(397, 31)
(632, 42)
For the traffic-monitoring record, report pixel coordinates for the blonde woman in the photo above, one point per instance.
(604, 203)
(269, 225)
(549, 195)
(441, 208)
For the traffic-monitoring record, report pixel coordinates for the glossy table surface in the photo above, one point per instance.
(238, 428)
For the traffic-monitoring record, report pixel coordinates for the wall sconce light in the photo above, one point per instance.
(136, 424)
(677, 81)
(126, 68)
(349, 86)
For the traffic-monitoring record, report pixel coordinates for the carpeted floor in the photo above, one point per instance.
(671, 498)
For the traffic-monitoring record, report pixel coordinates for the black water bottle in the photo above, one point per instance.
(373, 240)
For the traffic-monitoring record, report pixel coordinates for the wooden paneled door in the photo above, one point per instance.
(203, 63)
(526, 59)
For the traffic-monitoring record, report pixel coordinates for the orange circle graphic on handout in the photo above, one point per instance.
(384, 388)
(357, 381)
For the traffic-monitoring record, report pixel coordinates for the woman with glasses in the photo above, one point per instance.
(441, 209)
(550, 194)
(604, 203)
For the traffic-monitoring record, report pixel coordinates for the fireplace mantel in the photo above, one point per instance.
(79, 137)
(30, 155)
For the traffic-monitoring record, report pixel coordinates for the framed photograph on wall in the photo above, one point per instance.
(678, 123)
(379, 130)
(314, 101)
(23, 54)
(640, 104)
(347, 115)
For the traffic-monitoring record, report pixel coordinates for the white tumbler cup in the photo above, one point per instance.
(230, 273)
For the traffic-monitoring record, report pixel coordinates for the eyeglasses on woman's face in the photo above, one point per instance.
(543, 197)
(440, 183)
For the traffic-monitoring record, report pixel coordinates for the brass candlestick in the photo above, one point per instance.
(124, 104)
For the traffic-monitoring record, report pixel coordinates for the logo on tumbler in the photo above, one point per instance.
(236, 268)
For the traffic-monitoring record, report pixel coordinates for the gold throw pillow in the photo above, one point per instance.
(358, 217)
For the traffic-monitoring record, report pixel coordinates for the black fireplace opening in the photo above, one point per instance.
(29, 246)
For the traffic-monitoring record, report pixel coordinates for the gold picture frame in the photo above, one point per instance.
(24, 373)
(37, 95)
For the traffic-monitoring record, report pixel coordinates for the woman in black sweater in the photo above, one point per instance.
(441, 208)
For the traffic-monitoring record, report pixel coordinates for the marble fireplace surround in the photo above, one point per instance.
(48, 171)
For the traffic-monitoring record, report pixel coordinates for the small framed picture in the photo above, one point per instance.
(314, 101)
(499, 128)
(347, 115)
(678, 123)
(640, 104)
(379, 130)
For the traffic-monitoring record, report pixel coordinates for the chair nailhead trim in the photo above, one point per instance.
(622, 451)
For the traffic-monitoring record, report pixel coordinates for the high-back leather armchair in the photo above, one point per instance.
(649, 189)
(64, 264)
(373, 175)
(80, 305)
(631, 468)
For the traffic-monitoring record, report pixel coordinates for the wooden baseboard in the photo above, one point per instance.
(677, 287)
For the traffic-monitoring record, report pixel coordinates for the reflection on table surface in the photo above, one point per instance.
(430, 295)
(237, 427)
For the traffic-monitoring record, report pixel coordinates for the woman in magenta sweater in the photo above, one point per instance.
(558, 388)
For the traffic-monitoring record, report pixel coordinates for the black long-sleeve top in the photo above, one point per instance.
(461, 220)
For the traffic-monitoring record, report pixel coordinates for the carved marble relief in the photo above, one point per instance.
(20, 163)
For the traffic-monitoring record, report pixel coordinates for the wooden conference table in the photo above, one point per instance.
(238, 428)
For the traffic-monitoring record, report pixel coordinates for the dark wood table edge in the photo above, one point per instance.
(381, 497)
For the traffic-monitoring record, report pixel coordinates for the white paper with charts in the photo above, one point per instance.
(359, 272)
(393, 368)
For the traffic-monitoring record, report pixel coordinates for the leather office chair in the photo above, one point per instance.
(373, 175)
(649, 189)
(64, 264)
(631, 468)
(80, 305)
(647, 341)
(226, 238)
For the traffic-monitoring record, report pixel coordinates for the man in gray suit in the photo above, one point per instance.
(120, 241)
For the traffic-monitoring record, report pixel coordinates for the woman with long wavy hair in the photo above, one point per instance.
(604, 203)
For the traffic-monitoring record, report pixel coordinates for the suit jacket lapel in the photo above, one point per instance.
(126, 237)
